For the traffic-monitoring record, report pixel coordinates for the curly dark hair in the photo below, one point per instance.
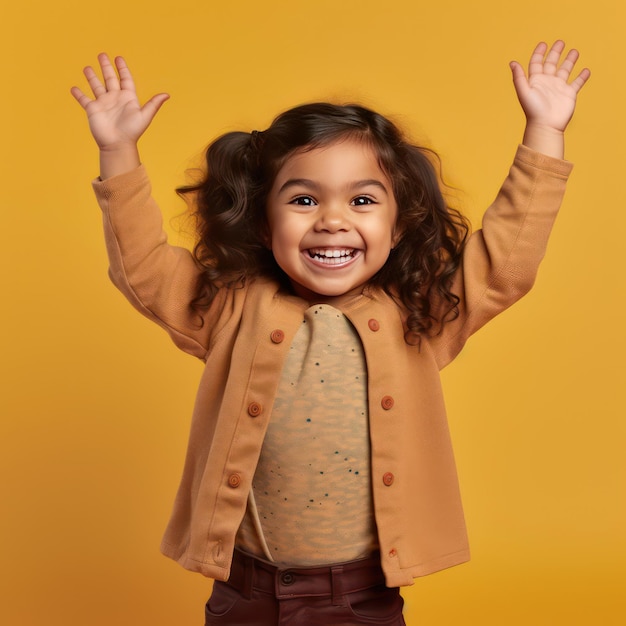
(229, 204)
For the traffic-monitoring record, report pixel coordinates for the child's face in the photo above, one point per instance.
(332, 215)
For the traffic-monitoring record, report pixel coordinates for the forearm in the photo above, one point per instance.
(500, 260)
(160, 280)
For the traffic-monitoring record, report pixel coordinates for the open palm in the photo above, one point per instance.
(546, 96)
(115, 114)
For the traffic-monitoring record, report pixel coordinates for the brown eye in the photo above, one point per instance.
(363, 201)
(303, 201)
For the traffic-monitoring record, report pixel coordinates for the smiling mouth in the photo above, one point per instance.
(332, 256)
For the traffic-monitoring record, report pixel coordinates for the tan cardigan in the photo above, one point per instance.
(244, 340)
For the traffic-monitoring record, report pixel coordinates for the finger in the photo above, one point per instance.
(80, 97)
(535, 65)
(552, 59)
(126, 78)
(108, 73)
(97, 87)
(568, 65)
(579, 82)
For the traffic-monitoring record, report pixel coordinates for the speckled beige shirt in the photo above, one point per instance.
(311, 497)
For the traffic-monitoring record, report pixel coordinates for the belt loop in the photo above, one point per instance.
(336, 581)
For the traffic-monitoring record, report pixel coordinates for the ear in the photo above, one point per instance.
(396, 236)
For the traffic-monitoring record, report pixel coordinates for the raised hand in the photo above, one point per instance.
(547, 98)
(116, 118)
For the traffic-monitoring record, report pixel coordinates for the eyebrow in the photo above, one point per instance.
(315, 186)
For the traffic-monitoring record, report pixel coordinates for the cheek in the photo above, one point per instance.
(284, 232)
(387, 232)
(277, 238)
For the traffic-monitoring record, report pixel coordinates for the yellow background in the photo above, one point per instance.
(95, 401)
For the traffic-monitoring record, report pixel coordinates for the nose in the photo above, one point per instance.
(332, 218)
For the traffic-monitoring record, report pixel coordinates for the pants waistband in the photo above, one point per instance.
(248, 572)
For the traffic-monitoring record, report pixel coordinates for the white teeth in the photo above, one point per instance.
(331, 256)
(331, 253)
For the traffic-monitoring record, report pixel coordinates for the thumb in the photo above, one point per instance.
(517, 72)
(520, 82)
(152, 106)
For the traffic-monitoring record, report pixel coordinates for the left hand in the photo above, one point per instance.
(547, 98)
(545, 95)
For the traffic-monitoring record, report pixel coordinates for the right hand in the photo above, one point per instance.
(116, 119)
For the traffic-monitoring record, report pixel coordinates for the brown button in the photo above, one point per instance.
(277, 336)
(373, 324)
(234, 480)
(388, 479)
(387, 403)
(254, 409)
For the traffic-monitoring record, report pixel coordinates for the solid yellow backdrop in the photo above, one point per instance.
(96, 401)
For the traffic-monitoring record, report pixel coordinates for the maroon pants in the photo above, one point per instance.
(261, 594)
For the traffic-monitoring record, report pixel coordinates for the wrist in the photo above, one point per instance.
(118, 159)
(545, 139)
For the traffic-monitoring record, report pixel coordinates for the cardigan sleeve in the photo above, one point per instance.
(160, 280)
(500, 261)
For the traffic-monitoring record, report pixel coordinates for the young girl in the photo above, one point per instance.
(329, 285)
